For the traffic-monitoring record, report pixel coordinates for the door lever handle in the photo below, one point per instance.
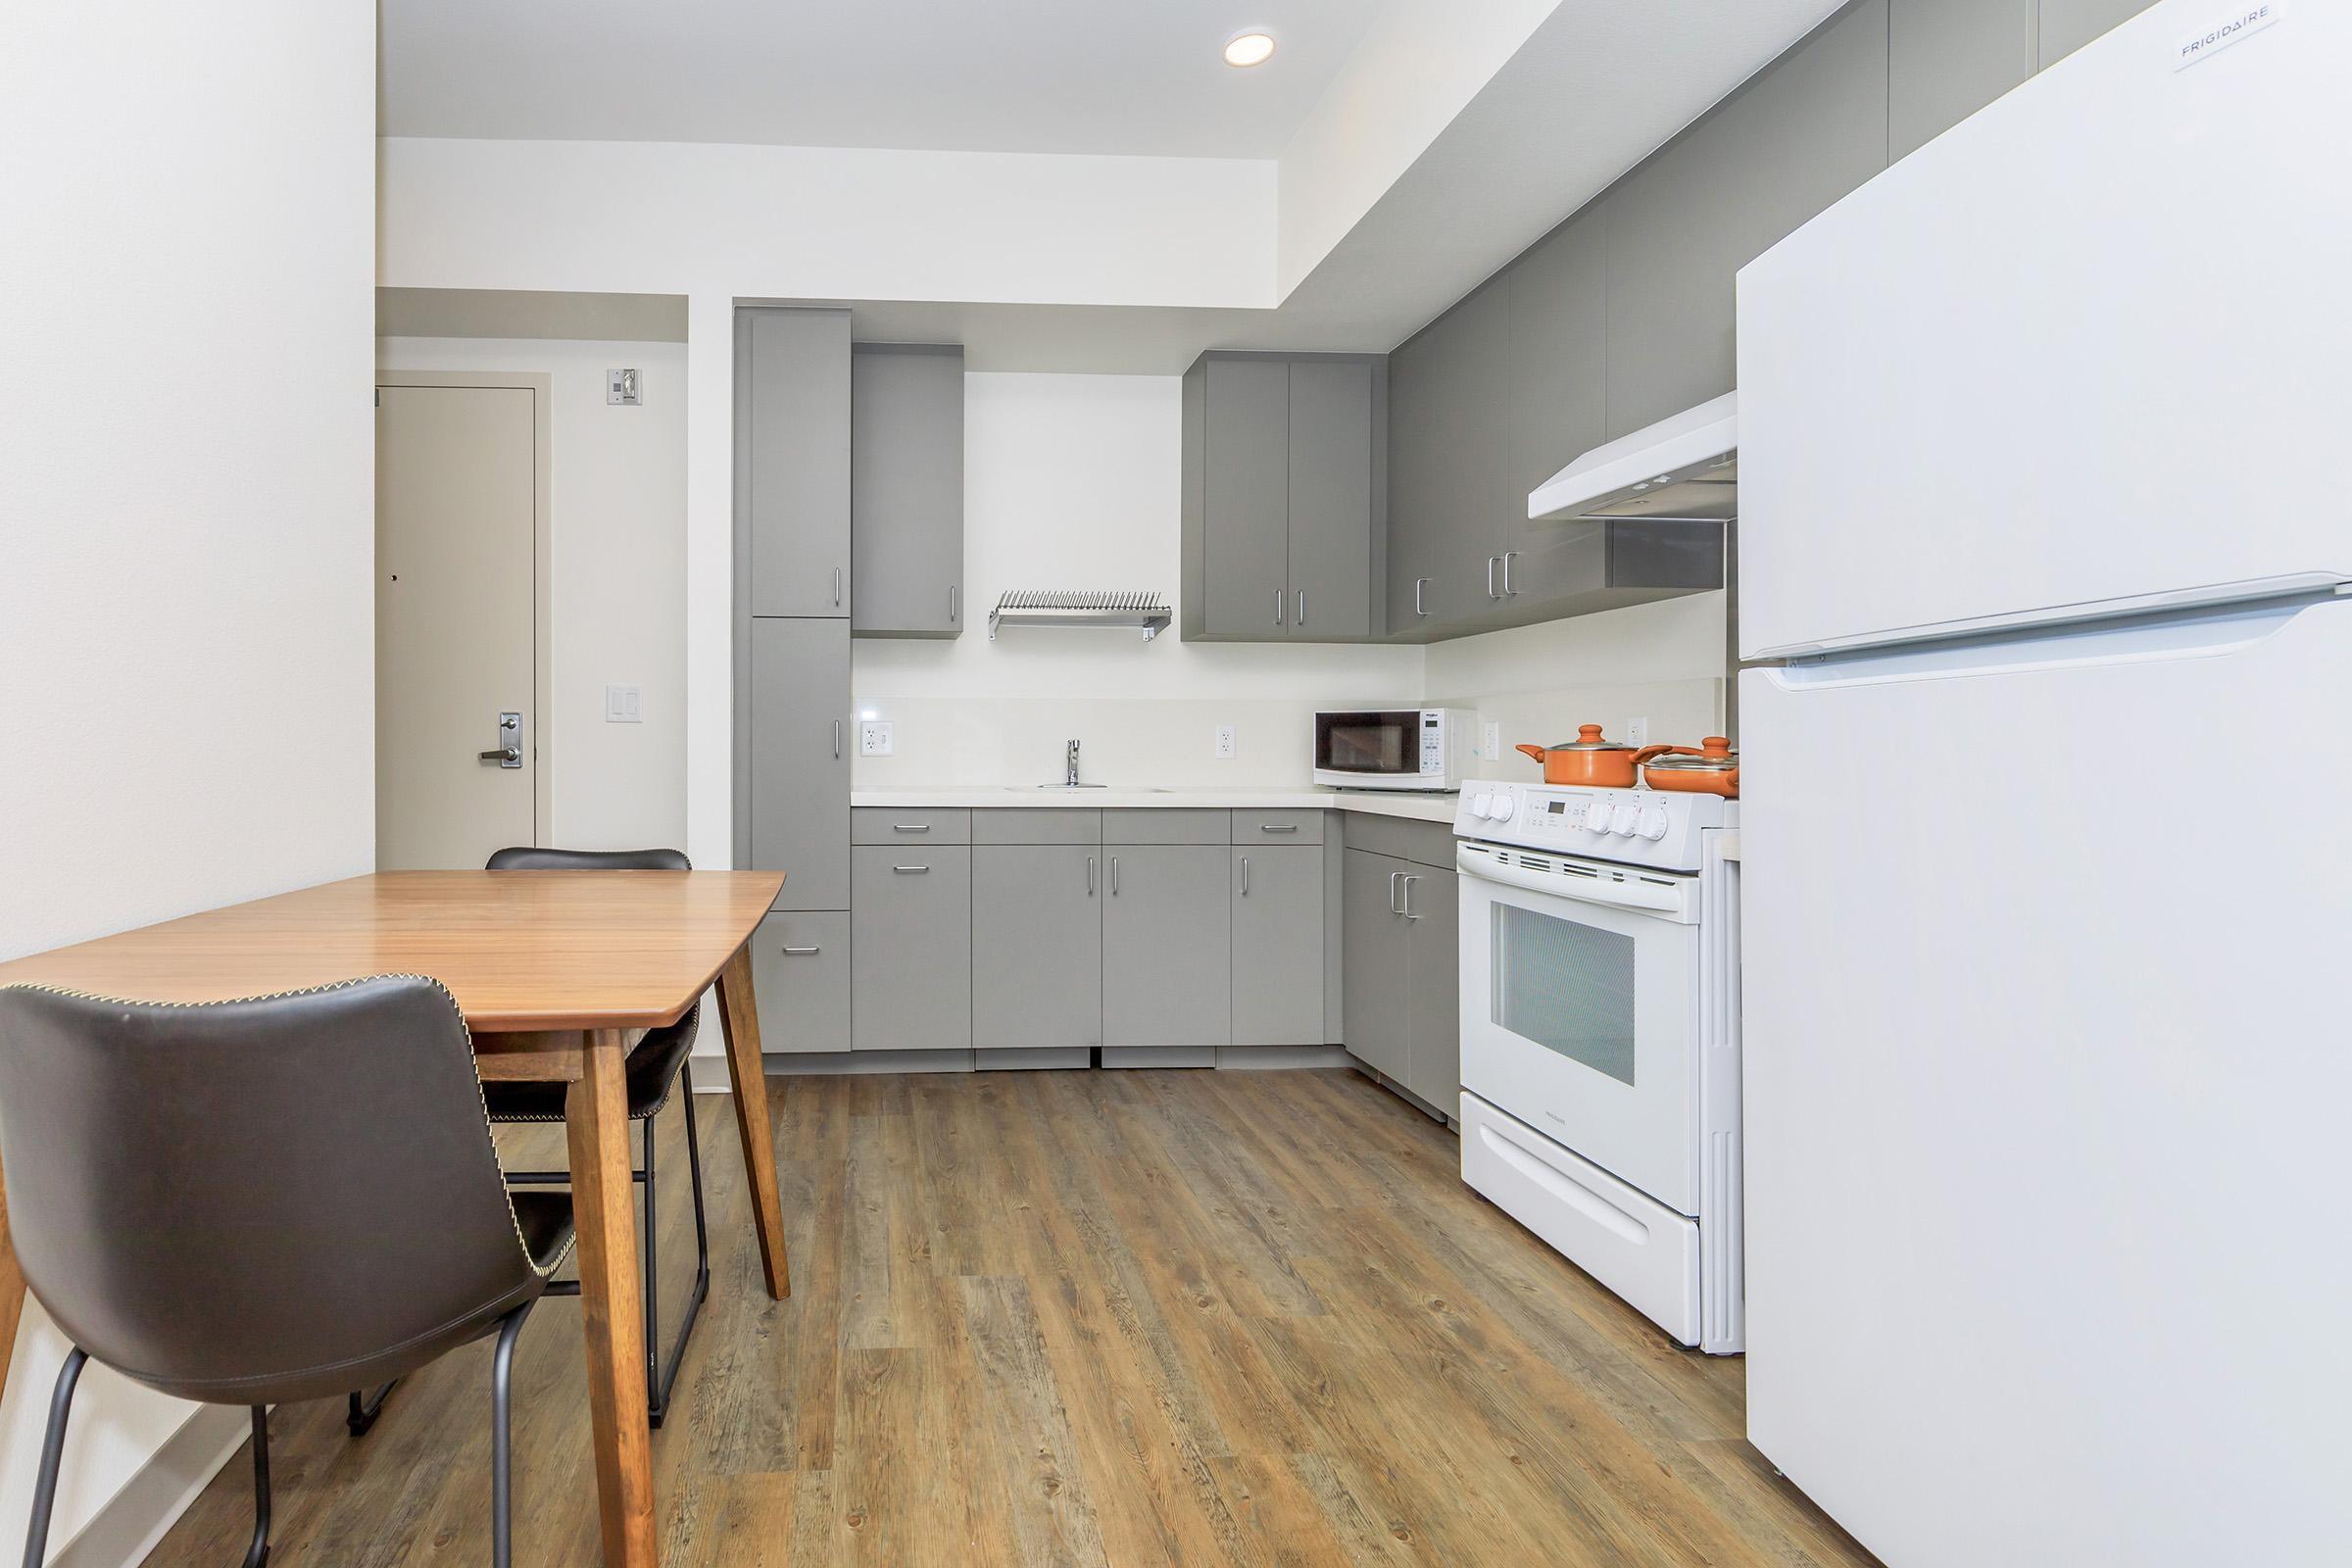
(505, 756)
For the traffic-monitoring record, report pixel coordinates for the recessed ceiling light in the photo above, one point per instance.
(1249, 48)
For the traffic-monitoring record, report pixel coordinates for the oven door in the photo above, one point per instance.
(1368, 748)
(1580, 1009)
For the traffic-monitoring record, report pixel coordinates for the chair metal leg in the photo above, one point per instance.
(259, 1552)
(365, 1407)
(501, 1438)
(662, 1376)
(653, 1289)
(53, 1452)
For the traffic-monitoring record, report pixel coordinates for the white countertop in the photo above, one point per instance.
(1412, 804)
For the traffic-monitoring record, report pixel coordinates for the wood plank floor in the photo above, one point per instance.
(1120, 1317)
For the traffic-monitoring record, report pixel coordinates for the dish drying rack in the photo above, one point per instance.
(1146, 613)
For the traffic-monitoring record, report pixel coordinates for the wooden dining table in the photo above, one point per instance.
(556, 972)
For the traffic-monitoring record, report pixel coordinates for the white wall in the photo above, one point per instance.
(1072, 482)
(187, 274)
(616, 519)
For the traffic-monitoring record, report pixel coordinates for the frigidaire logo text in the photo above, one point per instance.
(2229, 32)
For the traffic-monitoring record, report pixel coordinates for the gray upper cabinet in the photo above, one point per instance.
(1277, 944)
(906, 492)
(1806, 130)
(1036, 945)
(2068, 24)
(1450, 529)
(1372, 961)
(1285, 497)
(794, 427)
(1947, 59)
(911, 948)
(1558, 406)
(1167, 922)
(799, 779)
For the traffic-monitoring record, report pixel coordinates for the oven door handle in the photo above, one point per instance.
(1675, 900)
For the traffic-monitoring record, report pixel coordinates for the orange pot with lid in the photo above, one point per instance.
(1712, 769)
(1593, 761)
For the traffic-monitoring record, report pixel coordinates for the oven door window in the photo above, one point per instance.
(1382, 743)
(1567, 986)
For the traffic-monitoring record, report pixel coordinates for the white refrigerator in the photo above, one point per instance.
(2046, 497)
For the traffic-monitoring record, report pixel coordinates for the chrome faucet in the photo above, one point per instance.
(1069, 771)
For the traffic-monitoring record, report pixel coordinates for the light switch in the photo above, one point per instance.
(873, 737)
(624, 704)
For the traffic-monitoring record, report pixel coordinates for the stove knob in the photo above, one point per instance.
(1653, 821)
(1479, 803)
(1624, 820)
(1503, 808)
(1598, 812)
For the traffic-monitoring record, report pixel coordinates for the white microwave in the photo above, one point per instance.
(1393, 749)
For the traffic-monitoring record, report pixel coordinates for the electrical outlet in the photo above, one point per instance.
(1490, 742)
(624, 704)
(1228, 742)
(873, 737)
(1637, 732)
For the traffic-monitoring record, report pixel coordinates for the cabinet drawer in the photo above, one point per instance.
(1037, 826)
(1428, 843)
(1176, 825)
(904, 824)
(1278, 828)
(801, 974)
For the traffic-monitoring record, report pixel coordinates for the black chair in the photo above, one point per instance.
(247, 1202)
(657, 1064)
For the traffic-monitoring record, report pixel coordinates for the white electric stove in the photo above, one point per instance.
(1600, 1042)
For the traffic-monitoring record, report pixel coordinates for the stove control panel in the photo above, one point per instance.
(1642, 828)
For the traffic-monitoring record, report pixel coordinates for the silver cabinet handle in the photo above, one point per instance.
(1302, 607)
(837, 585)
(1278, 828)
(1392, 876)
(1406, 909)
(952, 597)
(1490, 560)
(912, 871)
(802, 952)
(1244, 876)
(1278, 606)
(1419, 583)
(1508, 556)
(837, 737)
(911, 827)
(1115, 876)
(1090, 876)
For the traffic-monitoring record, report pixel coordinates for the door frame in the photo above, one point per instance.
(540, 386)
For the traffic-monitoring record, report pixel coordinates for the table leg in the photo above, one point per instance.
(12, 1293)
(739, 1013)
(604, 1201)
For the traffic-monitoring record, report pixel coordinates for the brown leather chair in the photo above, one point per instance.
(247, 1202)
(657, 1064)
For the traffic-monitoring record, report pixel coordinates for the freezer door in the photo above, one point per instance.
(2087, 346)
(2048, 1071)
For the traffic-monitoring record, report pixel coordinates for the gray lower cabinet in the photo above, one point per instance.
(1433, 1065)
(1374, 983)
(798, 776)
(1036, 945)
(907, 497)
(1277, 961)
(1285, 497)
(792, 440)
(2068, 24)
(911, 948)
(801, 974)
(1401, 966)
(1167, 964)
(1947, 59)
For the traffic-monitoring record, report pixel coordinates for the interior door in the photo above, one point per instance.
(456, 549)
(2044, 1088)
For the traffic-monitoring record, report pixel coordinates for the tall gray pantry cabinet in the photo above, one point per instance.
(793, 593)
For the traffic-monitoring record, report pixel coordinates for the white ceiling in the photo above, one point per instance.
(1142, 77)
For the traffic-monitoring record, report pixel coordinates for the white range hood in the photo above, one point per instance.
(1684, 468)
